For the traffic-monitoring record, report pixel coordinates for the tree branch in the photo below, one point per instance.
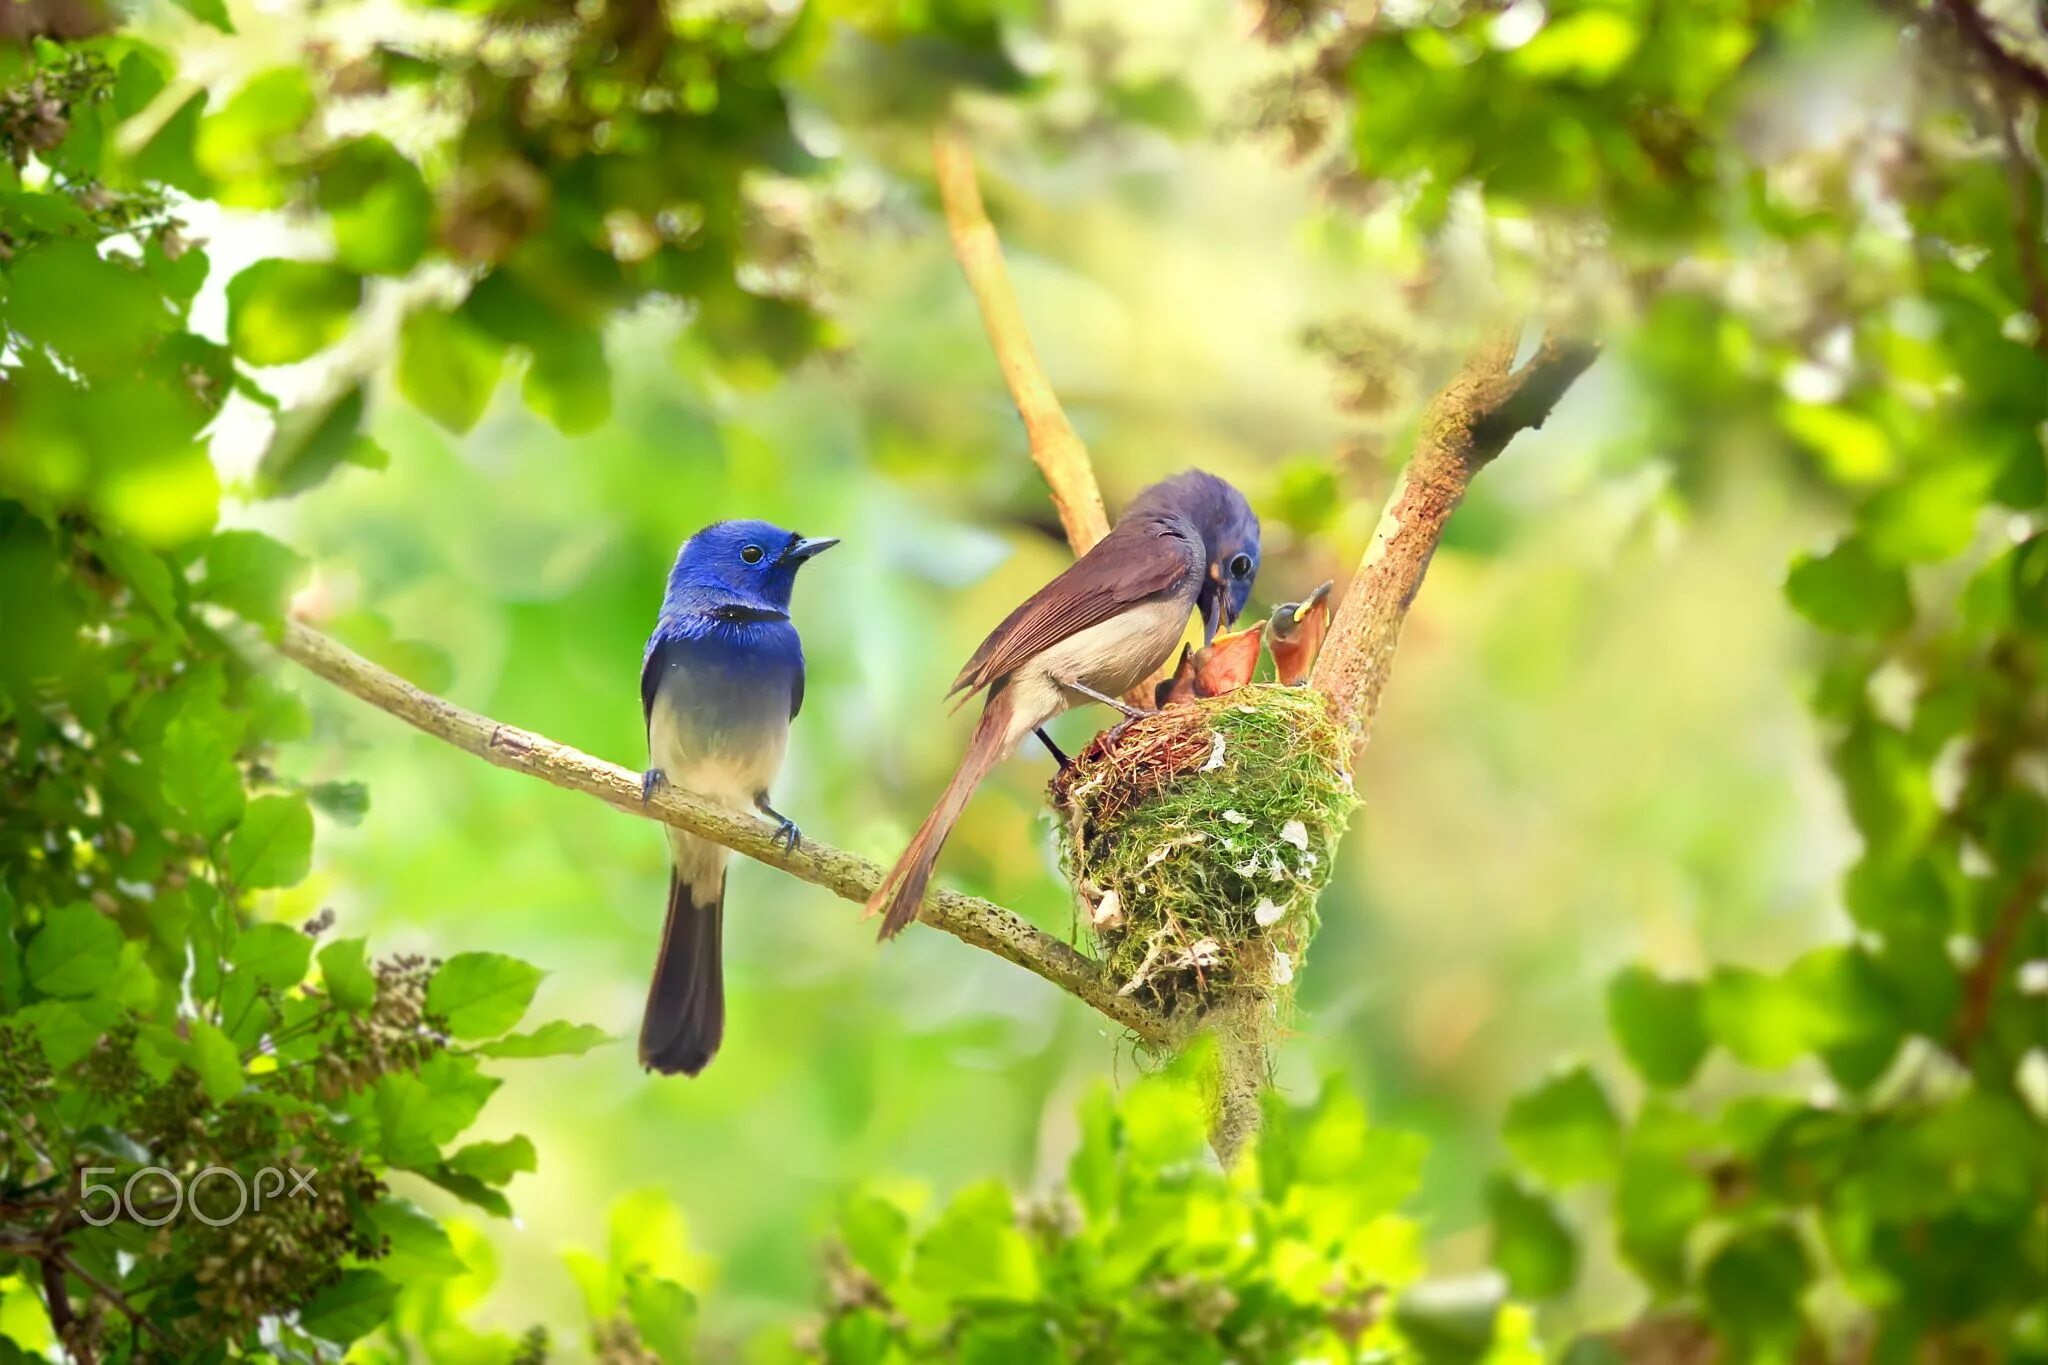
(1981, 982)
(2007, 64)
(1468, 422)
(968, 918)
(1055, 447)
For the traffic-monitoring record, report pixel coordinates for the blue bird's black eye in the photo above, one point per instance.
(1240, 566)
(752, 554)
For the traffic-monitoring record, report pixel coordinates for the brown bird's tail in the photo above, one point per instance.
(902, 889)
(685, 1016)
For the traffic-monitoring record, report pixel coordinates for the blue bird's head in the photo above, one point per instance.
(1230, 541)
(752, 560)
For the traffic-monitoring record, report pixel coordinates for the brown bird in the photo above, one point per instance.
(1189, 543)
(1296, 635)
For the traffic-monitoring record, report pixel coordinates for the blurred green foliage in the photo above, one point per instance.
(1809, 232)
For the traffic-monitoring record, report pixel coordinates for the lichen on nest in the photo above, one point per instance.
(1198, 839)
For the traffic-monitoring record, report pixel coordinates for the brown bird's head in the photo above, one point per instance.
(1230, 540)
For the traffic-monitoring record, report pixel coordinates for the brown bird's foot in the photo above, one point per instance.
(1059, 755)
(1117, 703)
(787, 835)
(651, 781)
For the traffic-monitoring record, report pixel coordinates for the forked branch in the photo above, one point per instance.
(1469, 421)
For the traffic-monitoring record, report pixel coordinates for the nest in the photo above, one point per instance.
(1198, 840)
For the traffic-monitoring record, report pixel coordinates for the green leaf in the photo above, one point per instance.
(217, 1060)
(93, 311)
(876, 1233)
(1451, 1322)
(251, 138)
(665, 1314)
(74, 951)
(415, 1246)
(976, 1251)
(345, 803)
(494, 1163)
(143, 569)
(1590, 45)
(312, 441)
(281, 312)
(1531, 1244)
(447, 367)
(352, 1307)
(377, 205)
(416, 1113)
(1752, 1288)
(273, 846)
(1848, 591)
(67, 1030)
(469, 1190)
(1565, 1130)
(1093, 1172)
(214, 12)
(275, 954)
(1659, 1024)
(480, 995)
(251, 575)
(1854, 449)
(198, 773)
(345, 969)
(556, 1038)
(569, 382)
(1931, 515)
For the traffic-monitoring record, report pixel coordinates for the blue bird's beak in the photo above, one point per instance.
(804, 547)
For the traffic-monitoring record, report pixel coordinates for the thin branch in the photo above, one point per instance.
(2007, 64)
(1980, 985)
(968, 918)
(1468, 422)
(1055, 447)
(111, 1295)
(2024, 182)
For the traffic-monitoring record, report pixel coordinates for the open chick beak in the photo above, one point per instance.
(1229, 662)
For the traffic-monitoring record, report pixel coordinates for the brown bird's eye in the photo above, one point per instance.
(752, 554)
(1240, 566)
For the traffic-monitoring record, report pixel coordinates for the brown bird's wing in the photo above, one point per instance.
(1124, 568)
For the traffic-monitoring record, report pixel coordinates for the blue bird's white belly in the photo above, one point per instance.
(722, 739)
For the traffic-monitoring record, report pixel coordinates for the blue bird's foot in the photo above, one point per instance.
(651, 781)
(786, 832)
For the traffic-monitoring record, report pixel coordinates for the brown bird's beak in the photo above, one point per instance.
(1228, 664)
(1181, 686)
(1298, 634)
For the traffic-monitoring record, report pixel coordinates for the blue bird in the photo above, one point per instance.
(722, 679)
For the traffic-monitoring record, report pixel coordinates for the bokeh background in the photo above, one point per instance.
(552, 286)
(1594, 750)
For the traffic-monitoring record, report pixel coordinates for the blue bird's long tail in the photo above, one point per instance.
(685, 1017)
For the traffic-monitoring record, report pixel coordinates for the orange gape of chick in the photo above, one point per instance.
(1294, 632)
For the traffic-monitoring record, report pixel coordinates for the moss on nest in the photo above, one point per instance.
(1199, 838)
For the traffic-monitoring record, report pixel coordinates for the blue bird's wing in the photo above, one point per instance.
(661, 656)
